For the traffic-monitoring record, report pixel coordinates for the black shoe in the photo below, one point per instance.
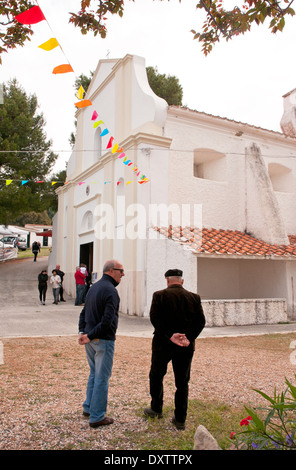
(152, 414)
(85, 414)
(180, 426)
(103, 422)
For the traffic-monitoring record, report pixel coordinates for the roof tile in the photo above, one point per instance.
(232, 242)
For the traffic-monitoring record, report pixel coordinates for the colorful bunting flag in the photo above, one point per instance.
(115, 148)
(80, 92)
(110, 143)
(64, 68)
(49, 45)
(35, 15)
(8, 182)
(32, 16)
(94, 116)
(97, 123)
(83, 104)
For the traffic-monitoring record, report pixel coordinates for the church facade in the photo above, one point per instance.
(160, 187)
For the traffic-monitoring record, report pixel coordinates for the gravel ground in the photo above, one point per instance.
(43, 384)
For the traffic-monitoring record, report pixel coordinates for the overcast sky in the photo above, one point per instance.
(243, 79)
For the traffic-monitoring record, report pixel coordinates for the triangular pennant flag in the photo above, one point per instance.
(115, 148)
(64, 68)
(53, 182)
(83, 104)
(24, 182)
(8, 182)
(128, 182)
(32, 16)
(127, 163)
(80, 92)
(81, 182)
(49, 45)
(39, 181)
(97, 123)
(119, 150)
(121, 155)
(105, 132)
(94, 116)
(144, 181)
(110, 143)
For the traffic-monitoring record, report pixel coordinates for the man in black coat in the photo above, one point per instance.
(178, 319)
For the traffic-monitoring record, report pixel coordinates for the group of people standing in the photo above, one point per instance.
(56, 281)
(177, 317)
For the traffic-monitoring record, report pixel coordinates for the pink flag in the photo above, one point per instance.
(94, 116)
(31, 16)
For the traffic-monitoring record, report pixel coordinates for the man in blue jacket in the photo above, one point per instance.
(98, 323)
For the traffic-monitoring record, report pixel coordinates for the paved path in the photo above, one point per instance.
(22, 315)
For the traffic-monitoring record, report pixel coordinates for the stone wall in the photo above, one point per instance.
(244, 312)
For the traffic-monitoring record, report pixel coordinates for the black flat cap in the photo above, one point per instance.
(174, 272)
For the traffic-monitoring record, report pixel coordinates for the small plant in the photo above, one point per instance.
(277, 430)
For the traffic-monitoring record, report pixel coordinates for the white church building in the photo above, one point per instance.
(160, 187)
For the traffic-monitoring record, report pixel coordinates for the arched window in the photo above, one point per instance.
(281, 177)
(87, 221)
(209, 164)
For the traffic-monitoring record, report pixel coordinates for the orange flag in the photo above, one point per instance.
(64, 68)
(83, 103)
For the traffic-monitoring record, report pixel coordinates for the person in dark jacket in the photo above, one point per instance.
(98, 323)
(178, 318)
(42, 285)
(35, 250)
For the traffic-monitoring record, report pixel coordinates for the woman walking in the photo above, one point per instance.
(42, 285)
(55, 281)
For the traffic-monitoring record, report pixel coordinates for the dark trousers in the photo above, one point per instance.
(61, 293)
(42, 293)
(181, 361)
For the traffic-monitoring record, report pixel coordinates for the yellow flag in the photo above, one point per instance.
(80, 92)
(8, 182)
(49, 45)
(53, 182)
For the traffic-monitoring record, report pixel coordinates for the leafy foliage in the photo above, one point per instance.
(24, 153)
(93, 16)
(167, 87)
(223, 23)
(277, 430)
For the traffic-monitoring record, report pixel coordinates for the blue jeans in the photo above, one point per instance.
(99, 353)
(80, 291)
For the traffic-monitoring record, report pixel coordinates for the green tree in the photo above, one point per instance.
(167, 87)
(25, 154)
(93, 15)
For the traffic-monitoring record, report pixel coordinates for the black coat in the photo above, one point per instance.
(175, 310)
(99, 316)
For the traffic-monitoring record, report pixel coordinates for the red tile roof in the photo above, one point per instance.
(227, 242)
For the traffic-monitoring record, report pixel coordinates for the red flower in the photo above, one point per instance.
(246, 421)
(232, 434)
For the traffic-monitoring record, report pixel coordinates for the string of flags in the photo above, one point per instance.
(35, 15)
(52, 183)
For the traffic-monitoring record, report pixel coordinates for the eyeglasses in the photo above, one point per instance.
(119, 269)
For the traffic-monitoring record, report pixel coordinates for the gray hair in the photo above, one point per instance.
(109, 265)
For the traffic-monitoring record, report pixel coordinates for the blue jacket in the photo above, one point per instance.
(99, 316)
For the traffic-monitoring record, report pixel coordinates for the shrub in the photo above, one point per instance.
(275, 428)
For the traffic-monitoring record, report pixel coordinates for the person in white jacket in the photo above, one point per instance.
(55, 281)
